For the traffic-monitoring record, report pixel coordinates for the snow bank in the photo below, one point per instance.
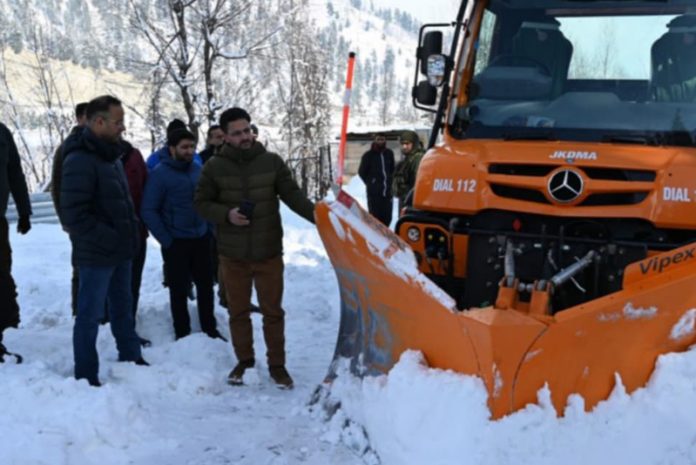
(418, 415)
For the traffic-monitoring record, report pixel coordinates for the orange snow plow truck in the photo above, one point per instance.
(550, 238)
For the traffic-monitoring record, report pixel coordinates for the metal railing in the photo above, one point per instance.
(42, 207)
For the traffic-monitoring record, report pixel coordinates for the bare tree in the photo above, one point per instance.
(55, 117)
(601, 61)
(49, 112)
(193, 45)
(302, 83)
(175, 50)
(17, 122)
(217, 18)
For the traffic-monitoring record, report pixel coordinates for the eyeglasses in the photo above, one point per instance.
(119, 123)
(239, 132)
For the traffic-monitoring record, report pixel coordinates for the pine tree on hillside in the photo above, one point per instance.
(387, 91)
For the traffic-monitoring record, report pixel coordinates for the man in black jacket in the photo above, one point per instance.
(56, 176)
(98, 213)
(377, 171)
(11, 181)
(214, 139)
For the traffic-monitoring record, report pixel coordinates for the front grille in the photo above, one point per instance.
(519, 193)
(618, 198)
(613, 174)
(607, 174)
(604, 174)
(520, 170)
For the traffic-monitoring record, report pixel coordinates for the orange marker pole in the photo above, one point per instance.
(344, 124)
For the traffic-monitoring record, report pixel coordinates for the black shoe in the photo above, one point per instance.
(141, 361)
(5, 353)
(92, 382)
(281, 376)
(253, 308)
(216, 335)
(235, 378)
(182, 335)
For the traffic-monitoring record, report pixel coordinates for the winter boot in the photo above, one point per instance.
(216, 335)
(236, 376)
(281, 376)
(4, 353)
(141, 361)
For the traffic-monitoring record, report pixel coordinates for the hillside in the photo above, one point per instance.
(288, 69)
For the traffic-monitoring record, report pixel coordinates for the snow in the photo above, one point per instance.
(632, 313)
(418, 415)
(685, 325)
(181, 411)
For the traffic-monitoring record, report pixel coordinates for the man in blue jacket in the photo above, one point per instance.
(97, 211)
(184, 236)
(162, 153)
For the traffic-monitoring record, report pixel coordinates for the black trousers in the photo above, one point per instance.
(380, 208)
(184, 260)
(9, 309)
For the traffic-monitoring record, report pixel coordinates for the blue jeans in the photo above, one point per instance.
(99, 284)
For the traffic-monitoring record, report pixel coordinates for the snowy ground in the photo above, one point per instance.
(181, 411)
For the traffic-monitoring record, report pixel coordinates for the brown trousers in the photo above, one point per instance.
(267, 277)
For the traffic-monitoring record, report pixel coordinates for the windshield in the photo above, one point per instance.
(603, 76)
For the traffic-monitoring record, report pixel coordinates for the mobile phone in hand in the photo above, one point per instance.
(246, 208)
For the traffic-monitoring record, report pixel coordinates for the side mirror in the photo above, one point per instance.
(432, 45)
(425, 93)
(437, 68)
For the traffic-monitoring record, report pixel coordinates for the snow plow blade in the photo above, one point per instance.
(388, 307)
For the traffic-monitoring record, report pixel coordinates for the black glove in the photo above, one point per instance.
(23, 224)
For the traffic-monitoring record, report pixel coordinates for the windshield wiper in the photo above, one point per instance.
(680, 138)
(632, 138)
(529, 135)
(677, 138)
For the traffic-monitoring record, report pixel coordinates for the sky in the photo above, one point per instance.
(426, 11)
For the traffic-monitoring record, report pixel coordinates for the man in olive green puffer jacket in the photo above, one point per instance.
(406, 169)
(239, 191)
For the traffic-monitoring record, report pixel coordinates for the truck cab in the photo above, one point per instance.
(566, 147)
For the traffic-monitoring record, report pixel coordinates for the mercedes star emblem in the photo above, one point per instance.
(565, 186)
